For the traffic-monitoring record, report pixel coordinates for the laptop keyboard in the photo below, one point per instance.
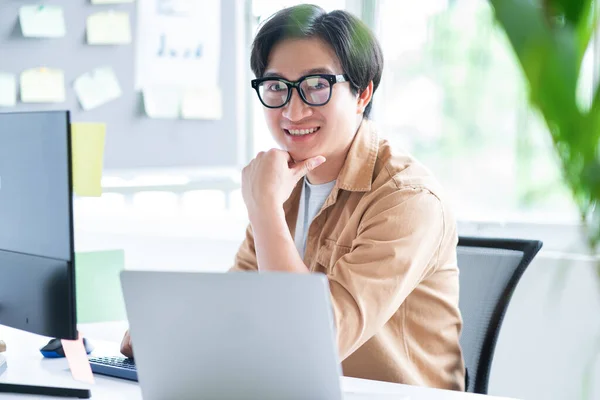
(120, 367)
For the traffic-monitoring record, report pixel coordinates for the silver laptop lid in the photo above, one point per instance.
(232, 336)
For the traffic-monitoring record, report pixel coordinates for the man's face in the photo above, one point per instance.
(330, 127)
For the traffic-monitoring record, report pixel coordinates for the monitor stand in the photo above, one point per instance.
(44, 390)
(39, 390)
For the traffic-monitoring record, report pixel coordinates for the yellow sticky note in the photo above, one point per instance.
(42, 21)
(87, 148)
(202, 103)
(8, 90)
(97, 87)
(78, 360)
(163, 103)
(42, 85)
(108, 27)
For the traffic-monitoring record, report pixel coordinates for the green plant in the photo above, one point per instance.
(550, 38)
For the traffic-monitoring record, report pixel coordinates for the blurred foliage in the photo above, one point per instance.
(464, 111)
(550, 39)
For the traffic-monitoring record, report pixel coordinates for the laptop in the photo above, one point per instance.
(237, 335)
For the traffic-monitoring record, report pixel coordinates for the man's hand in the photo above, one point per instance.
(126, 348)
(269, 179)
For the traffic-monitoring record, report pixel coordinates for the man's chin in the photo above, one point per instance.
(299, 156)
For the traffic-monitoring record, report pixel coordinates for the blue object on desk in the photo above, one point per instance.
(54, 348)
(119, 367)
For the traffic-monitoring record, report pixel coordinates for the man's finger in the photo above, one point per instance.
(289, 157)
(127, 350)
(304, 167)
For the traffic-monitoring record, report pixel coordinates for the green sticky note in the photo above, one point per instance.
(98, 288)
(87, 146)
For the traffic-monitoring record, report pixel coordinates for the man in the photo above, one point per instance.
(337, 200)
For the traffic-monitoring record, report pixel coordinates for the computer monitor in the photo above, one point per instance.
(37, 271)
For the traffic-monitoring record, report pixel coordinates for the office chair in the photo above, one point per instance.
(489, 272)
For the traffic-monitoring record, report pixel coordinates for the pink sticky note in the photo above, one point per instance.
(78, 360)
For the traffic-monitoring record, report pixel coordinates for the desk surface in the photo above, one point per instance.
(27, 366)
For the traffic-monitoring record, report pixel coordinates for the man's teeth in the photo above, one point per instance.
(300, 132)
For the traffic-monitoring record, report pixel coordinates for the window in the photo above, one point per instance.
(453, 95)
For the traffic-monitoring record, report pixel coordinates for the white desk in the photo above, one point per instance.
(27, 366)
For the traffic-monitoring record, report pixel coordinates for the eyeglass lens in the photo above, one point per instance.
(315, 91)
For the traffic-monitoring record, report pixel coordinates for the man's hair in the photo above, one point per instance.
(354, 44)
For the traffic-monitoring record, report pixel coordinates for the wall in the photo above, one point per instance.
(133, 140)
(550, 340)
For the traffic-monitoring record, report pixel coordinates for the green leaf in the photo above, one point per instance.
(593, 120)
(572, 10)
(558, 80)
(595, 109)
(523, 23)
(549, 60)
(585, 26)
(528, 35)
(550, 55)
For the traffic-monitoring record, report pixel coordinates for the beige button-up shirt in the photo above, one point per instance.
(386, 240)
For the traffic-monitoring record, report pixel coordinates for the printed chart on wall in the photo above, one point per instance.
(179, 55)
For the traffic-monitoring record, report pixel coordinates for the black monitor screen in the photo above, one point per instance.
(36, 230)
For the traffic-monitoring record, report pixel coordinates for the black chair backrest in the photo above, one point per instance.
(489, 272)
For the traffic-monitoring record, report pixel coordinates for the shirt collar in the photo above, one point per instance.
(356, 174)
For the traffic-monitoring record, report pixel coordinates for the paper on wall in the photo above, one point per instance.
(98, 288)
(178, 43)
(8, 89)
(202, 103)
(42, 21)
(108, 28)
(97, 87)
(43, 85)
(164, 103)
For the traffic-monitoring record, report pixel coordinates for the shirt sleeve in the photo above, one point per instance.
(245, 259)
(397, 244)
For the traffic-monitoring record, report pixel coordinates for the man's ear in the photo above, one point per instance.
(364, 98)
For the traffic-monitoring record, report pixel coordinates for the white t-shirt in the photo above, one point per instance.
(312, 199)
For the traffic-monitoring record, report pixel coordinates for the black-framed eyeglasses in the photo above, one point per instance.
(314, 90)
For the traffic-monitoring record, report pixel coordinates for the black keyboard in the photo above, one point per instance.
(119, 367)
